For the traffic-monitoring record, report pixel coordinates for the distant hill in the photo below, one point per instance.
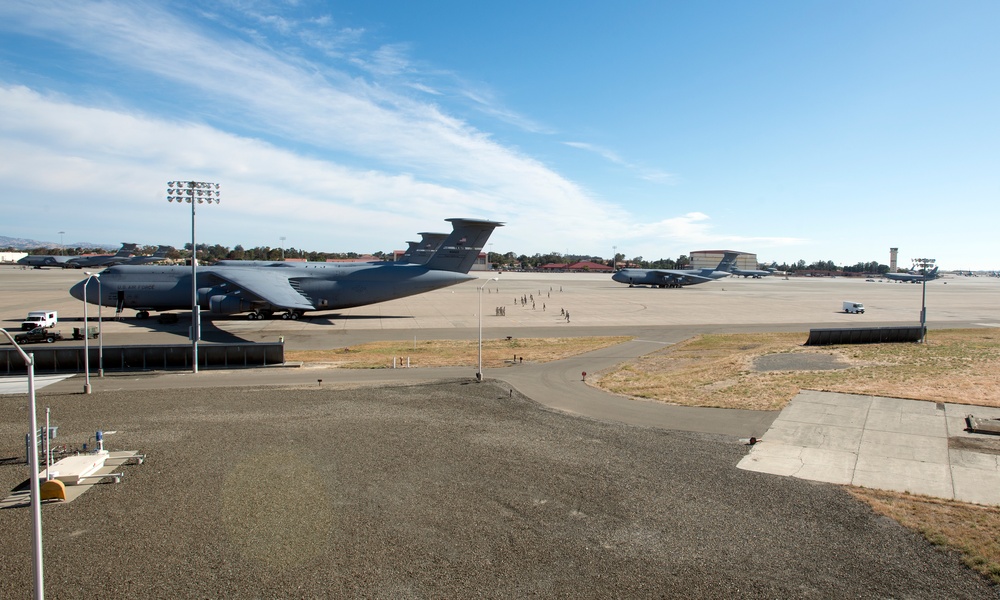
(26, 244)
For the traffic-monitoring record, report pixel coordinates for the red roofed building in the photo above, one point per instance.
(585, 265)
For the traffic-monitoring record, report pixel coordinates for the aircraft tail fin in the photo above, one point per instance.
(728, 262)
(126, 250)
(420, 252)
(459, 251)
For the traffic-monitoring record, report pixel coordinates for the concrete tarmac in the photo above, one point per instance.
(536, 305)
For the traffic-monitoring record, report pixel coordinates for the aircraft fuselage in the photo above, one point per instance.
(162, 288)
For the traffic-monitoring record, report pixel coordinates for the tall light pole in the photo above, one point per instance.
(614, 258)
(86, 333)
(479, 373)
(924, 263)
(100, 329)
(36, 503)
(62, 248)
(193, 192)
(282, 238)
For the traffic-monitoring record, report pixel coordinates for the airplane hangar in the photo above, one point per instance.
(708, 259)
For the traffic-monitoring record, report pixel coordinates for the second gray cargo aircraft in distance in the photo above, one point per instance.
(674, 278)
(263, 289)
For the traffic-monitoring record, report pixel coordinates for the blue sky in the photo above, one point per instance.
(795, 130)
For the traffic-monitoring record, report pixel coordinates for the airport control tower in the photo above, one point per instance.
(893, 253)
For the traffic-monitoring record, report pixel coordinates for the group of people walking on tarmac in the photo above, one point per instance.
(501, 311)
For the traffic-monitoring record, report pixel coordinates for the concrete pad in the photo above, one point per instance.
(904, 446)
(21, 495)
(976, 485)
(882, 443)
(18, 384)
(898, 475)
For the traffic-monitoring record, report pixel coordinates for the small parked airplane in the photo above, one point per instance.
(262, 290)
(674, 278)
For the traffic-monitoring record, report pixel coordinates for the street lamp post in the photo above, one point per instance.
(479, 373)
(86, 336)
(36, 503)
(193, 192)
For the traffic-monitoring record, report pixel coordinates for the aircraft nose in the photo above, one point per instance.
(93, 296)
(77, 290)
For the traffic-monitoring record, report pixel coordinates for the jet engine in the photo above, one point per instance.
(227, 304)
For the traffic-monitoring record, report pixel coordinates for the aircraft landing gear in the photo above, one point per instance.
(291, 314)
(142, 314)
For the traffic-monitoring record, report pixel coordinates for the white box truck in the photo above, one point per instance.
(40, 318)
(853, 307)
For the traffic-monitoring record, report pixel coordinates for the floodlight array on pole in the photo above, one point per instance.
(36, 502)
(479, 373)
(193, 192)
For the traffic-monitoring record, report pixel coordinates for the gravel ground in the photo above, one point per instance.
(449, 490)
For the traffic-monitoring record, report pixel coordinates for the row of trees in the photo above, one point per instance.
(213, 252)
(512, 261)
(509, 260)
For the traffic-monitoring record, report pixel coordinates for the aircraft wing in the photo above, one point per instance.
(680, 277)
(270, 285)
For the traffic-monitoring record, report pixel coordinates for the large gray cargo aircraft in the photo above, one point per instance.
(914, 277)
(158, 256)
(755, 273)
(104, 260)
(262, 290)
(45, 260)
(675, 278)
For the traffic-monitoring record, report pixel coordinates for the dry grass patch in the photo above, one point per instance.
(957, 366)
(454, 353)
(972, 530)
(717, 370)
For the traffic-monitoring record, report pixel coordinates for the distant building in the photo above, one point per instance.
(577, 267)
(12, 257)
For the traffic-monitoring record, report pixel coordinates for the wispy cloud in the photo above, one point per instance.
(645, 173)
(301, 145)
